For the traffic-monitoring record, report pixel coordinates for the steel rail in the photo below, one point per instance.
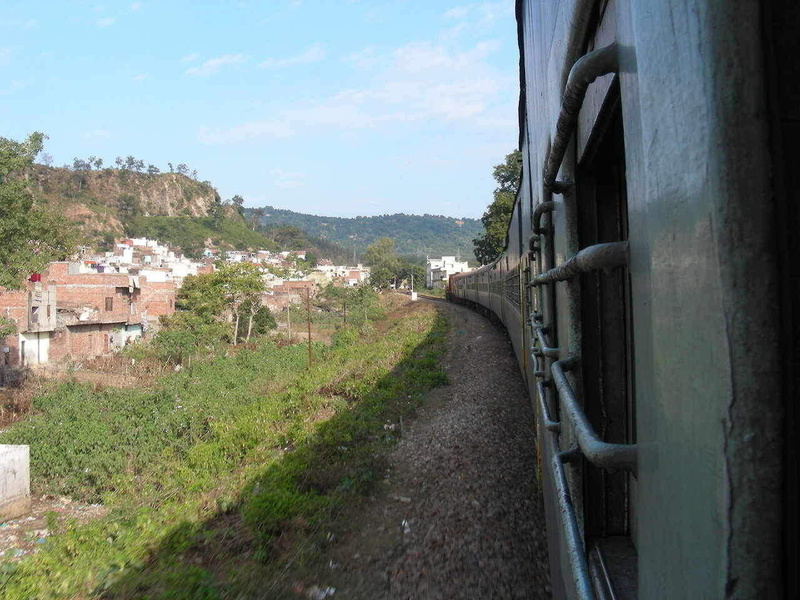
(592, 258)
(596, 451)
(583, 73)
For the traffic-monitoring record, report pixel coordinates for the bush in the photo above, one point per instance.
(184, 335)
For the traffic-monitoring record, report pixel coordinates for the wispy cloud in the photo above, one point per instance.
(245, 131)
(5, 56)
(213, 65)
(314, 54)
(424, 56)
(141, 77)
(97, 134)
(368, 58)
(459, 12)
(190, 57)
(106, 21)
(482, 13)
(135, 6)
(14, 86)
(418, 82)
(295, 3)
(288, 180)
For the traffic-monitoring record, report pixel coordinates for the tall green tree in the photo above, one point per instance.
(30, 235)
(491, 242)
(383, 262)
(232, 293)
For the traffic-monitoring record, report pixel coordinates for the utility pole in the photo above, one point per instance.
(289, 321)
(308, 319)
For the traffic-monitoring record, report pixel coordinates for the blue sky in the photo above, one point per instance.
(332, 107)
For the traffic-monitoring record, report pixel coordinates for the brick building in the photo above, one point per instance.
(69, 312)
(288, 292)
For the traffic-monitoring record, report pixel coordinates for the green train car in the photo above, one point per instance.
(650, 284)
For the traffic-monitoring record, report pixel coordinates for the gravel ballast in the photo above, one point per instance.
(460, 515)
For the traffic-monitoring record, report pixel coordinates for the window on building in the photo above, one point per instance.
(109, 304)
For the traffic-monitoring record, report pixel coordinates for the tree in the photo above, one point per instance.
(30, 235)
(79, 164)
(153, 170)
(491, 242)
(242, 287)
(232, 292)
(260, 320)
(128, 206)
(383, 261)
(508, 173)
(408, 271)
(238, 202)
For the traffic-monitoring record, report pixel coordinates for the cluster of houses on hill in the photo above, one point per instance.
(89, 307)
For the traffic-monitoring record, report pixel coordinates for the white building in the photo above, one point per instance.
(438, 270)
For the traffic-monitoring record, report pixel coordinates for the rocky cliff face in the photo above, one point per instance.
(100, 202)
(125, 192)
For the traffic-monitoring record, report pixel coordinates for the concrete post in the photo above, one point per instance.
(15, 481)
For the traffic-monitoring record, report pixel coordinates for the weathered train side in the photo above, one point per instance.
(640, 287)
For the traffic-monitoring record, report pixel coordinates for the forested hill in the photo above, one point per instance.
(421, 235)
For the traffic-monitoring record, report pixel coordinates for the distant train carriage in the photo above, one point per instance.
(648, 285)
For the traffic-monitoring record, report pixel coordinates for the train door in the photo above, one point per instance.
(606, 367)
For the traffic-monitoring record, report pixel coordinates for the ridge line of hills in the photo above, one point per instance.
(419, 235)
(116, 202)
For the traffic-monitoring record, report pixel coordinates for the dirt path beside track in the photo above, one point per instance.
(460, 514)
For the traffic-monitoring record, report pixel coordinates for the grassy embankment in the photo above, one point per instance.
(227, 471)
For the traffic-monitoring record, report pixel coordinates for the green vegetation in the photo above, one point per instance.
(224, 305)
(292, 238)
(491, 243)
(224, 472)
(386, 268)
(357, 306)
(413, 234)
(30, 235)
(190, 233)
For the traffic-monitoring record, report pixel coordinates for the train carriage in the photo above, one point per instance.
(648, 285)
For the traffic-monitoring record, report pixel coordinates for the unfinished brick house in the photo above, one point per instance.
(288, 292)
(71, 312)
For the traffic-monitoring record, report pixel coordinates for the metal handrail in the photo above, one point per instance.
(585, 70)
(541, 209)
(596, 451)
(576, 554)
(548, 421)
(591, 258)
(543, 349)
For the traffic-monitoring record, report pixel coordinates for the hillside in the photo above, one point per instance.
(110, 203)
(431, 235)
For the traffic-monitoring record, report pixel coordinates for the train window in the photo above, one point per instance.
(606, 336)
